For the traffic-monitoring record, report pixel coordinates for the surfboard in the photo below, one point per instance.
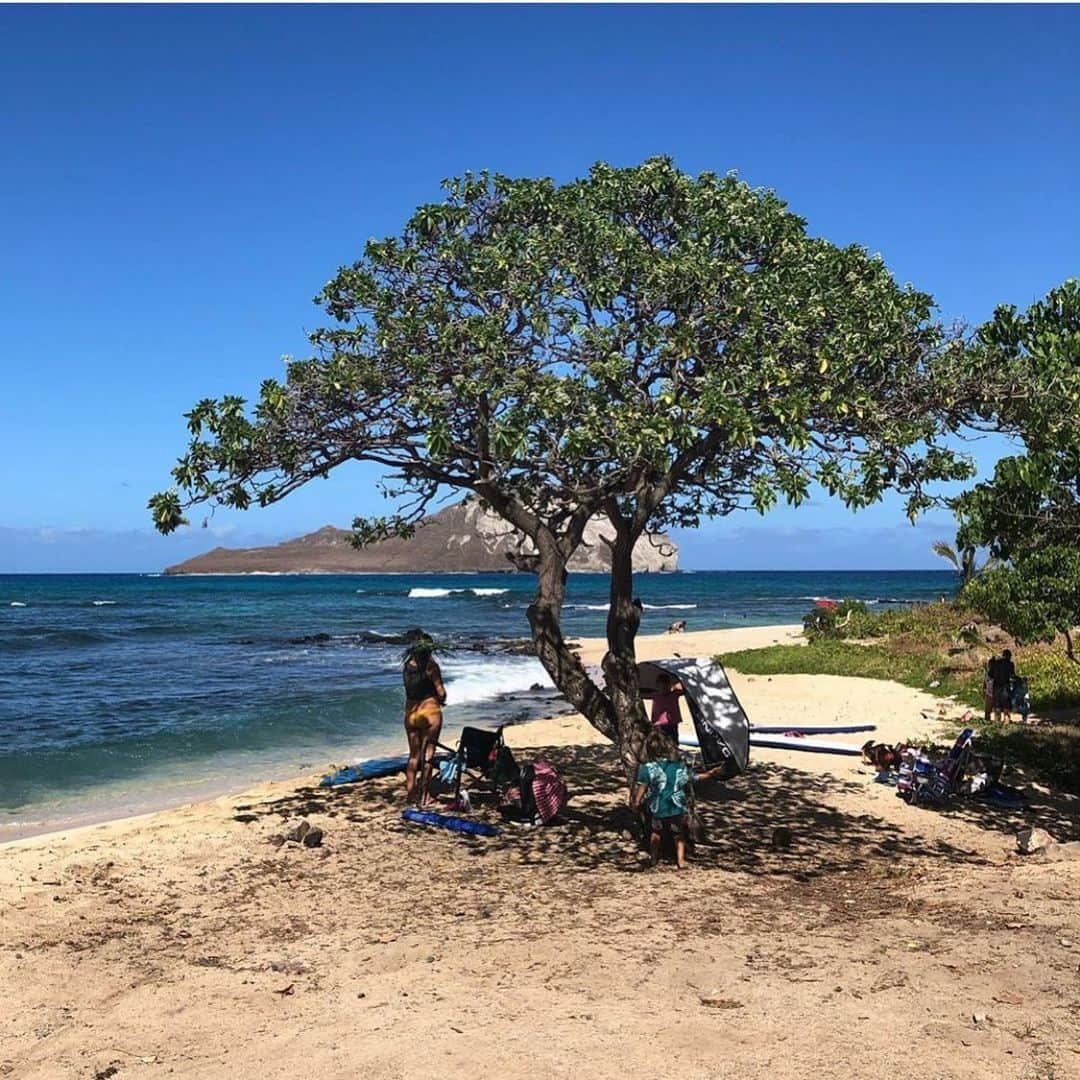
(805, 743)
(365, 770)
(446, 821)
(791, 742)
(826, 729)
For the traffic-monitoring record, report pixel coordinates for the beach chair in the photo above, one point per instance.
(484, 755)
(934, 783)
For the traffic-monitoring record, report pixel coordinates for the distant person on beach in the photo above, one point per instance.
(665, 705)
(997, 690)
(988, 688)
(665, 781)
(425, 696)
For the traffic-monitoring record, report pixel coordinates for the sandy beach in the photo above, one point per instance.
(187, 943)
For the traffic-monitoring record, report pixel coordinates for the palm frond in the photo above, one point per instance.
(944, 550)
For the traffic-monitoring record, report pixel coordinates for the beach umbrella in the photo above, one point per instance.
(721, 723)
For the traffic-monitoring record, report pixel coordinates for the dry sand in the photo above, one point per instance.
(885, 940)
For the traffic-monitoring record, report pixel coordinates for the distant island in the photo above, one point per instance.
(461, 538)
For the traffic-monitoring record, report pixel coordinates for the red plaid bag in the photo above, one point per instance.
(549, 791)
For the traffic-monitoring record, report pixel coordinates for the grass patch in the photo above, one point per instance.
(827, 657)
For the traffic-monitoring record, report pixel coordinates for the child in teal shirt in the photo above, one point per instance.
(665, 780)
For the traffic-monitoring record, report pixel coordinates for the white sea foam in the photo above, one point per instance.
(588, 607)
(481, 679)
(16, 603)
(432, 594)
(665, 607)
(103, 603)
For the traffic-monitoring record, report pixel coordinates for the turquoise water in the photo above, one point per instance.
(137, 691)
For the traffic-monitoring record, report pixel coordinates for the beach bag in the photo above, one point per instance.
(503, 770)
(540, 795)
(549, 793)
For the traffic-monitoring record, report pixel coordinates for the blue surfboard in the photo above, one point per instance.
(365, 770)
(445, 821)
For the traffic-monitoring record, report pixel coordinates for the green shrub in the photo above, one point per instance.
(832, 620)
(1053, 679)
(851, 619)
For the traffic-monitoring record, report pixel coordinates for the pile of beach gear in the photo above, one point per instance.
(532, 794)
(923, 777)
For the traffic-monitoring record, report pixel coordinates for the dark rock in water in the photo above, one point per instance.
(485, 646)
(537, 686)
(518, 647)
(375, 638)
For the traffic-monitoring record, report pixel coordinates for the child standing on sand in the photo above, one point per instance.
(666, 781)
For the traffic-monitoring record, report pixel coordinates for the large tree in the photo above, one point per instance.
(1027, 366)
(643, 344)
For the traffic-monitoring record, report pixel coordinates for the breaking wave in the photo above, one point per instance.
(432, 594)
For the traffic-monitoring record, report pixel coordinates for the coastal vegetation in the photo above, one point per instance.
(942, 648)
(1025, 517)
(640, 343)
(1027, 514)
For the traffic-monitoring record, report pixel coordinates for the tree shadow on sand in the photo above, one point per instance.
(598, 829)
(1057, 812)
(740, 819)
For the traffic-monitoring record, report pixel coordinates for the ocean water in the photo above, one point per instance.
(136, 691)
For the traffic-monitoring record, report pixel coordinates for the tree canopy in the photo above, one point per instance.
(1028, 512)
(1028, 364)
(1036, 598)
(639, 343)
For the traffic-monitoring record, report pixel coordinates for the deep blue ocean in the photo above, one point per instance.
(137, 691)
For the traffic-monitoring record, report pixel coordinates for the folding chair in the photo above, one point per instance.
(934, 783)
(485, 756)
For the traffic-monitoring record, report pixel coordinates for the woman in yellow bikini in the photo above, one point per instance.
(425, 696)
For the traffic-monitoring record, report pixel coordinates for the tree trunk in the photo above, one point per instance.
(565, 669)
(620, 663)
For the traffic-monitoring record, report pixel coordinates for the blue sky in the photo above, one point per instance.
(179, 182)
